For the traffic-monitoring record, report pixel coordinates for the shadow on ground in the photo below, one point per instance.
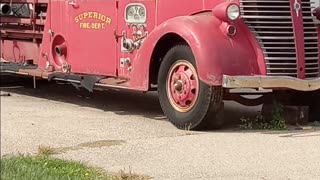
(120, 102)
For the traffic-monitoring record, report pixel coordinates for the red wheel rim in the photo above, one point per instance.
(182, 86)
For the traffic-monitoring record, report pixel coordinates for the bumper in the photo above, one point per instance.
(270, 82)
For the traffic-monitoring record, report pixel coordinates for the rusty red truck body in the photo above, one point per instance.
(194, 53)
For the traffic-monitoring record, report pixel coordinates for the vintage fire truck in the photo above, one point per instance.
(195, 53)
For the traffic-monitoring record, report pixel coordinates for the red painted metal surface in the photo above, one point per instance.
(299, 38)
(210, 44)
(88, 35)
(122, 27)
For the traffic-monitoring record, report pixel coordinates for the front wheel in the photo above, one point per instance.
(186, 101)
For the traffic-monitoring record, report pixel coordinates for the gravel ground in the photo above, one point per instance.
(121, 130)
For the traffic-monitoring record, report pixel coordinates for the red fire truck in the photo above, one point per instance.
(194, 53)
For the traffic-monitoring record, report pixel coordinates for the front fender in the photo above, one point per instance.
(216, 54)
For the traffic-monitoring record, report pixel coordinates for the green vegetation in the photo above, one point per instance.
(46, 168)
(260, 123)
(278, 122)
(254, 124)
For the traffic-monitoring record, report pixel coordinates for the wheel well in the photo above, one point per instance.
(163, 46)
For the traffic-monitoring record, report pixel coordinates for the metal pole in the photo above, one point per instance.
(34, 82)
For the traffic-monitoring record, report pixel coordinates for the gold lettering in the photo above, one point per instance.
(103, 18)
(96, 25)
(84, 25)
(81, 17)
(95, 15)
(85, 15)
(93, 25)
(90, 14)
(76, 19)
(108, 21)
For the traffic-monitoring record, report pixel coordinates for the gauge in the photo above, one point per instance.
(142, 12)
(131, 11)
(135, 13)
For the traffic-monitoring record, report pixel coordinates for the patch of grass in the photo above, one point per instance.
(45, 168)
(260, 123)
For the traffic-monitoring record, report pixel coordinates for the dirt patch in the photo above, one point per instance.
(93, 144)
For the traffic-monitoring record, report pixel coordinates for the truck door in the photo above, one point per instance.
(135, 19)
(91, 41)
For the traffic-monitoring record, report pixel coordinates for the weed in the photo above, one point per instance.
(260, 123)
(45, 150)
(123, 175)
(251, 124)
(278, 122)
(187, 130)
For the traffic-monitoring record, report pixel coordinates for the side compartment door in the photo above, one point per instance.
(91, 41)
(136, 19)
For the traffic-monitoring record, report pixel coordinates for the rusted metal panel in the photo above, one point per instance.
(21, 20)
(25, 1)
(20, 34)
(19, 51)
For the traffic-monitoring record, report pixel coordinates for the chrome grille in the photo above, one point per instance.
(271, 23)
(310, 40)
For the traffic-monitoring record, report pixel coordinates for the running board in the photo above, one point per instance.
(89, 82)
(102, 83)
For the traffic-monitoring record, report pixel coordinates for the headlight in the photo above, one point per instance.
(233, 12)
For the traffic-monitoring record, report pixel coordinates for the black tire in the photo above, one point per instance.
(207, 111)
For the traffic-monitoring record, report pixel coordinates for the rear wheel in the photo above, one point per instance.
(185, 100)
